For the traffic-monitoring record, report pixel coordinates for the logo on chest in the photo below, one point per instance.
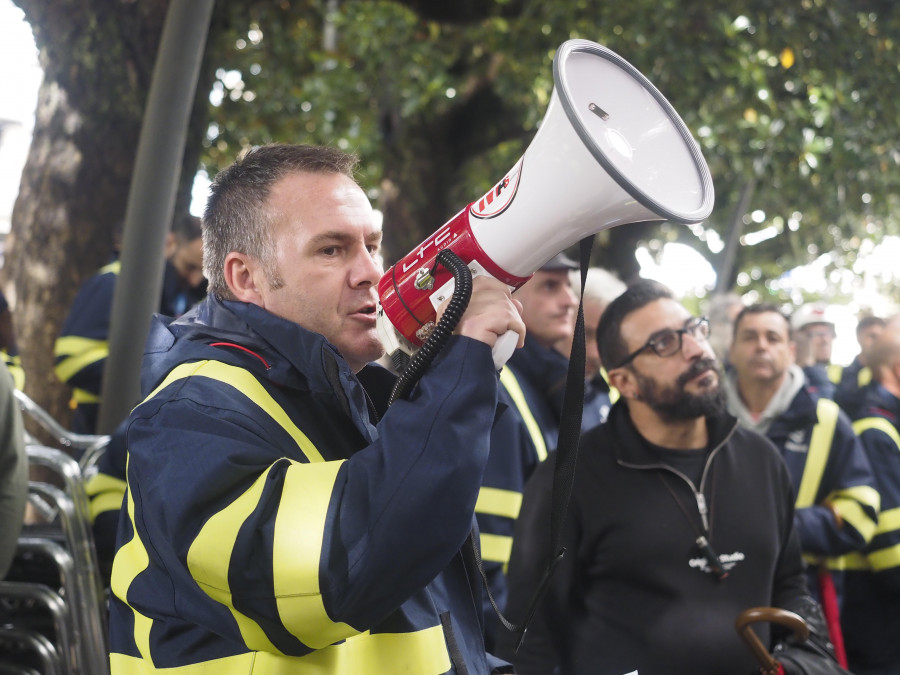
(727, 561)
(796, 442)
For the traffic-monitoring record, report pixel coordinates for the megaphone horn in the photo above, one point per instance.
(610, 150)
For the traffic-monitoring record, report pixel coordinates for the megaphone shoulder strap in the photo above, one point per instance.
(564, 471)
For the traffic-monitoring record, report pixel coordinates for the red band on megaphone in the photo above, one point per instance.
(409, 308)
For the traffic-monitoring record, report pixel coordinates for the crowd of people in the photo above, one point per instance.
(265, 508)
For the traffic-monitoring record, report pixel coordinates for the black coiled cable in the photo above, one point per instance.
(444, 328)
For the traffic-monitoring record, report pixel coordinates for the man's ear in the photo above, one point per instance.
(169, 247)
(243, 275)
(623, 380)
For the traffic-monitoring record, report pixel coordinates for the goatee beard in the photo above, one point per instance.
(675, 404)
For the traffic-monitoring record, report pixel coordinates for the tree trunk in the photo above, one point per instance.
(97, 60)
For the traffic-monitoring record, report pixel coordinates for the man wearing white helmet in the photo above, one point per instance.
(811, 324)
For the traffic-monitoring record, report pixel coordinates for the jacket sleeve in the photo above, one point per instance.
(314, 551)
(883, 552)
(847, 504)
(83, 345)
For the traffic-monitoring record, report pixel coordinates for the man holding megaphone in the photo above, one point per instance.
(277, 516)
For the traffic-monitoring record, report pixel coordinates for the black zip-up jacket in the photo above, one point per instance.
(634, 591)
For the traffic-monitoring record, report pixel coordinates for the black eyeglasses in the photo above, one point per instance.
(668, 342)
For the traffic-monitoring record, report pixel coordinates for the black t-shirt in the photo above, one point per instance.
(688, 462)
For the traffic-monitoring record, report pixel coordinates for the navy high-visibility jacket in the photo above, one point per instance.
(837, 502)
(270, 527)
(83, 344)
(541, 374)
(871, 616)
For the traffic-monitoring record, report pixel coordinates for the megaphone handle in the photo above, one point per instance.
(504, 348)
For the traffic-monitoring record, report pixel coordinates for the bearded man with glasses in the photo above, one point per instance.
(679, 520)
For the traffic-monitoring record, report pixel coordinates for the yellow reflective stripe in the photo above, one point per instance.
(888, 521)
(613, 392)
(79, 353)
(496, 547)
(855, 561)
(84, 396)
(423, 652)
(209, 559)
(877, 560)
(105, 493)
(247, 384)
(115, 267)
(879, 423)
(864, 377)
(885, 558)
(132, 559)
(834, 372)
(297, 551)
(508, 380)
(849, 503)
(817, 456)
(497, 502)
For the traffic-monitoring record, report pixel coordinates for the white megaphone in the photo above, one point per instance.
(610, 150)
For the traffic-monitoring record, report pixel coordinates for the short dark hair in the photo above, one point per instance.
(762, 308)
(612, 347)
(867, 322)
(235, 218)
(187, 228)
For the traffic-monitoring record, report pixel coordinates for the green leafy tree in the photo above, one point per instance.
(792, 104)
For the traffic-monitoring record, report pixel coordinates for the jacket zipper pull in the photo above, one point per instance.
(701, 506)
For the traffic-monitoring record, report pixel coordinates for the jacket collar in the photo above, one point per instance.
(879, 402)
(632, 448)
(293, 355)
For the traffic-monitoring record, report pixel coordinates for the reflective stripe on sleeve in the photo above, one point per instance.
(423, 652)
(497, 502)
(74, 354)
(297, 552)
(851, 504)
(496, 547)
(105, 493)
(209, 559)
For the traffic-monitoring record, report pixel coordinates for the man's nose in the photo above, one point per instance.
(569, 297)
(367, 270)
(691, 346)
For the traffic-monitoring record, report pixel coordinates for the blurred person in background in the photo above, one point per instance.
(539, 370)
(858, 374)
(601, 288)
(83, 345)
(871, 617)
(722, 310)
(819, 333)
(836, 505)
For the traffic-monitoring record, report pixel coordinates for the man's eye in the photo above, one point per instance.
(330, 250)
(665, 341)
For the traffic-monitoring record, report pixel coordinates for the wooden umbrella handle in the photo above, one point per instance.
(768, 664)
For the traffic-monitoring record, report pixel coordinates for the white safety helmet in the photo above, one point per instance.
(809, 314)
